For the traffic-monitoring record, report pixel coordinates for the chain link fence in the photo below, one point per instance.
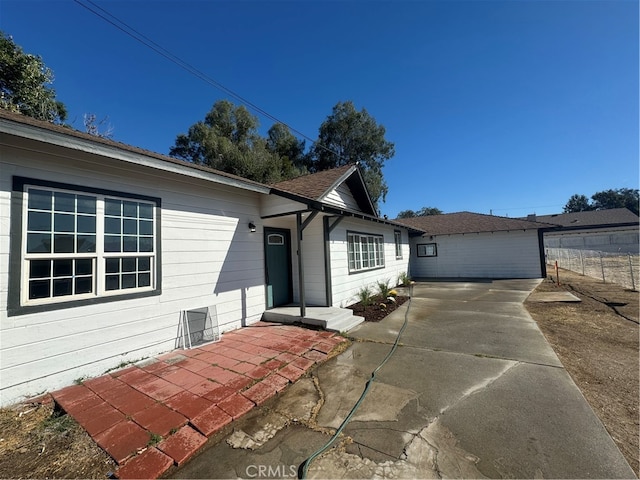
(622, 269)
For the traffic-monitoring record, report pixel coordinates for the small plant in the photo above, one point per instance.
(383, 288)
(404, 279)
(58, 422)
(154, 439)
(365, 295)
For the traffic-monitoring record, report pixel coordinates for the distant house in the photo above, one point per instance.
(614, 230)
(103, 245)
(473, 245)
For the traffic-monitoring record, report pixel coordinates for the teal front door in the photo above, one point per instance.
(277, 248)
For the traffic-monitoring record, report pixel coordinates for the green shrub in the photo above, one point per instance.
(365, 295)
(384, 288)
(404, 279)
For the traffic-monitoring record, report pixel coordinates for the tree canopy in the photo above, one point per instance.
(423, 212)
(350, 136)
(605, 200)
(228, 140)
(25, 84)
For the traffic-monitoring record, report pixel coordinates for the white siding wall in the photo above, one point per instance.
(342, 197)
(514, 254)
(208, 257)
(345, 286)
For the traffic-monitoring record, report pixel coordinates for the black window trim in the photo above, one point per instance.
(435, 249)
(16, 263)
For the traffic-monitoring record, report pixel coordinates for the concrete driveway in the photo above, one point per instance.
(474, 390)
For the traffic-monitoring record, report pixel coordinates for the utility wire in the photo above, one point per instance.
(146, 41)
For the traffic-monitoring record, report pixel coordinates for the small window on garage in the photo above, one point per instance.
(427, 250)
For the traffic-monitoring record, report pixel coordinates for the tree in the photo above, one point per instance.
(605, 200)
(228, 140)
(25, 84)
(407, 214)
(351, 136)
(620, 198)
(577, 203)
(281, 142)
(423, 212)
(93, 126)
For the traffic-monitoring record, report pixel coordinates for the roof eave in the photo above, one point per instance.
(43, 135)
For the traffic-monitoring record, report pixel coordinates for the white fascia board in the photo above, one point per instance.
(83, 145)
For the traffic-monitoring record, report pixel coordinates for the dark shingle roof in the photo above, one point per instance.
(614, 216)
(468, 222)
(70, 132)
(315, 185)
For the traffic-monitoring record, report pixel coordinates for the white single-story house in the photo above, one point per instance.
(613, 230)
(473, 245)
(104, 245)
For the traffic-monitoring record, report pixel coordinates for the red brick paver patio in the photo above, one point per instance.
(158, 413)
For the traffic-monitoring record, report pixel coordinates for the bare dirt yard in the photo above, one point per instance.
(596, 340)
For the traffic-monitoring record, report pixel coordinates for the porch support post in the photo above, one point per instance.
(328, 228)
(300, 226)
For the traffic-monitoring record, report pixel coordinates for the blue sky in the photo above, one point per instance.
(502, 106)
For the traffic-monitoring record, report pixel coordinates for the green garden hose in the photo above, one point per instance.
(304, 466)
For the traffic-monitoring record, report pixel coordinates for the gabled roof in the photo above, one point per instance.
(468, 222)
(26, 127)
(317, 186)
(595, 218)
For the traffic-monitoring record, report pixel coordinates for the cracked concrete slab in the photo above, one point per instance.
(473, 391)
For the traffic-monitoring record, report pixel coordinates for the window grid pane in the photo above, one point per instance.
(61, 248)
(127, 272)
(60, 277)
(364, 251)
(53, 222)
(128, 226)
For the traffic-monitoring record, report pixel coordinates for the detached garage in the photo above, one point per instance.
(473, 245)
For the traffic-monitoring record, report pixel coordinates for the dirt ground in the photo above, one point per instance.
(596, 340)
(36, 441)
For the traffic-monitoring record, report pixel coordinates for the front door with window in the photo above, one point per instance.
(277, 247)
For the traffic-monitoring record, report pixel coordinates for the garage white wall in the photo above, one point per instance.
(513, 254)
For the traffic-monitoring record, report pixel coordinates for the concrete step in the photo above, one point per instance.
(329, 318)
(345, 324)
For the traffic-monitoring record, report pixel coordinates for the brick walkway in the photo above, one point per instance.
(158, 413)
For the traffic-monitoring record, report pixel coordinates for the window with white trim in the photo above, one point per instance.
(365, 251)
(80, 245)
(397, 236)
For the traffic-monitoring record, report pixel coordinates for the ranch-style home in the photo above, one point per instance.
(104, 247)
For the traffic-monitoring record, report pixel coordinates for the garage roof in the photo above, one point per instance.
(469, 222)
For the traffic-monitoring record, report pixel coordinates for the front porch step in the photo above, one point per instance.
(329, 318)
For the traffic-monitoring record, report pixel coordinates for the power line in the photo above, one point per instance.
(149, 43)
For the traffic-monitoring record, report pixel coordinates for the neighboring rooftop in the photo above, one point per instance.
(613, 216)
(468, 222)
